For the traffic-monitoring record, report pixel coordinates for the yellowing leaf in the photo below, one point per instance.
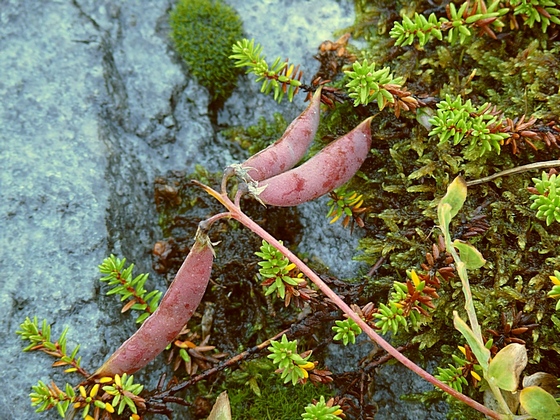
(539, 403)
(471, 256)
(481, 353)
(452, 202)
(221, 409)
(506, 367)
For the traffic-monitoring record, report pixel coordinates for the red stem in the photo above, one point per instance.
(237, 214)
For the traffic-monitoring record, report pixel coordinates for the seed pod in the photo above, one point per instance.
(177, 306)
(329, 169)
(287, 151)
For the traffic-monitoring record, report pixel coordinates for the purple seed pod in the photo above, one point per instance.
(287, 151)
(329, 169)
(175, 309)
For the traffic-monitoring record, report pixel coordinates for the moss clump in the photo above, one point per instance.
(256, 392)
(203, 32)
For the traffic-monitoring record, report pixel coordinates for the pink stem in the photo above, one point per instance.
(237, 214)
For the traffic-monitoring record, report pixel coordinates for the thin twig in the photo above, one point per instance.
(516, 170)
(237, 214)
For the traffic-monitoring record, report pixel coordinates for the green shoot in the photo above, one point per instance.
(129, 288)
(555, 292)
(322, 410)
(545, 198)
(125, 393)
(456, 121)
(40, 339)
(280, 77)
(346, 330)
(275, 269)
(46, 397)
(348, 204)
(292, 365)
(367, 85)
(543, 11)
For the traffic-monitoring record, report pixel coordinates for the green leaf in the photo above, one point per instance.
(453, 201)
(481, 353)
(506, 367)
(539, 403)
(471, 256)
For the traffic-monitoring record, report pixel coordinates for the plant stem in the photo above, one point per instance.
(237, 214)
(516, 170)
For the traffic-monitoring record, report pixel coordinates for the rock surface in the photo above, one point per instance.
(94, 105)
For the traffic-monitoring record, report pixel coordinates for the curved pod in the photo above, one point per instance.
(175, 309)
(287, 151)
(329, 169)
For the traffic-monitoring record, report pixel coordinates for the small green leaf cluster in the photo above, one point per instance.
(456, 375)
(547, 200)
(346, 330)
(203, 32)
(453, 376)
(293, 366)
(280, 78)
(45, 398)
(408, 301)
(123, 389)
(367, 85)
(457, 121)
(321, 411)
(40, 339)
(543, 11)
(457, 25)
(420, 27)
(555, 292)
(88, 401)
(275, 268)
(390, 317)
(129, 288)
(344, 203)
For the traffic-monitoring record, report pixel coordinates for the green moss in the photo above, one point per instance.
(407, 173)
(256, 137)
(203, 32)
(275, 400)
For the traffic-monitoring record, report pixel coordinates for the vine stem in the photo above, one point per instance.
(237, 214)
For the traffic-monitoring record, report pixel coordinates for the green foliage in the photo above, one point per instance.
(129, 288)
(293, 366)
(123, 391)
(367, 85)
(346, 203)
(45, 397)
(346, 330)
(390, 318)
(453, 376)
(40, 339)
(546, 200)
(534, 11)
(203, 32)
(275, 269)
(457, 121)
(280, 77)
(461, 23)
(276, 401)
(256, 137)
(322, 411)
(555, 292)
(421, 28)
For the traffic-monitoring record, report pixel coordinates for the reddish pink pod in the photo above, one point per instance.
(329, 169)
(175, 309)
(287, 151)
